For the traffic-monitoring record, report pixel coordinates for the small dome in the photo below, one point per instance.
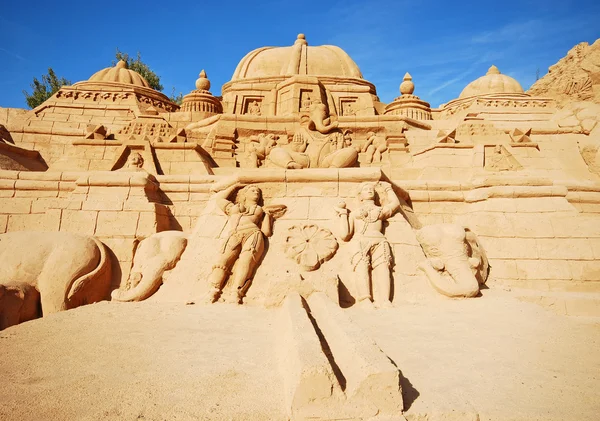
(493, 82)
(298, 59)
(119, 74)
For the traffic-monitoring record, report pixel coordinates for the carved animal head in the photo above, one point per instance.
(455, 249)
(320, 119)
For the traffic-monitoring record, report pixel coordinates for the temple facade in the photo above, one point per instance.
(298, 189)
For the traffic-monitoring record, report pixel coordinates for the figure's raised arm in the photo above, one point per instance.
(221, 197)
(271, 212)
(387, 194)
(345, 226)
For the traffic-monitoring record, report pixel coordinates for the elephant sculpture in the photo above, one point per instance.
(456, 263)
(18, 303)
(154, 255)
(46, 272)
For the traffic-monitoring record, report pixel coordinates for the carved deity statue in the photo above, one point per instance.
(254, 108)
(374, 147)
(371, 259)
(259, 148)
(249, 224)
(135, 162)
(319, 144)
(500, 160)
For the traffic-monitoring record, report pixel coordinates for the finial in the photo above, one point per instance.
(301, 39)
(407, 87)
(122, 64)
(493, 70)
(202, 83)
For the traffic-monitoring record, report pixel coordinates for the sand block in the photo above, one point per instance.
(371, 379)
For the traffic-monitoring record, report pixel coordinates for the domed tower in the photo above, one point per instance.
(116, 85)
(201, 100)
(407, 104)
(493, 82)
(495, 91)
(285, 81)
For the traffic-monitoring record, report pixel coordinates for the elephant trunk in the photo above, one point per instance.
(320, 121)
(465, 282)
(148, 285)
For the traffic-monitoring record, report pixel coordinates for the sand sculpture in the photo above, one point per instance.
(372, 258)
(109, 189)
(456, 264)
(66, 271)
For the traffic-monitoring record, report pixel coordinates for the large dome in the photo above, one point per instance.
(493, 82)
(120, 74)
(299, 59)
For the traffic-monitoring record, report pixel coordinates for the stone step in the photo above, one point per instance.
(370, 380)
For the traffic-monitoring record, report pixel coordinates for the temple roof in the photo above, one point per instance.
(120, 74)
(493, 82)
(299, 59)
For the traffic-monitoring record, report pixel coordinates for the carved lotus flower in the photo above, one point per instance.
(310, 245)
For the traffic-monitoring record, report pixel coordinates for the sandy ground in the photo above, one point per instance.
(502, 358)
(142, 361)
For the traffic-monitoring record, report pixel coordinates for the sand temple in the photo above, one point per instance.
(296, 249)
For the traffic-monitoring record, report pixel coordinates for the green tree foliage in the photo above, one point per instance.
(43, 90)
(177, 99)
(137, 65)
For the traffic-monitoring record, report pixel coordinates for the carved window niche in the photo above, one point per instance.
(252, 106)
(348, 106)
(307, 98)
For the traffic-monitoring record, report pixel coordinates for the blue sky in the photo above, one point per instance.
(443, 44)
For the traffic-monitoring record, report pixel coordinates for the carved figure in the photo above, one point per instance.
(374, 147)
(248, 224)
(319, 144)
(154, 255)
(18, 303)
(135, 162)
(348, 109)
(372, 254)
(254, 108)
(501, 160)
(457, 263)
(67, 270)
(259, 148)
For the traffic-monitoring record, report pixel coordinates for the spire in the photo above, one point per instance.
(296, 57)
(407, 87)
(202, 83)
(493, 71)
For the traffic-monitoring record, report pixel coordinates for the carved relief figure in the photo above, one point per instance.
(371, 260)
(254, 107)
(348, 109)
(249, 224)
(259, 148)
(135, 162)
(67, 270)
(374, 147)
(154, 255)
(306, 101)
(319, 144)
(456, 264)
(501, 160)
